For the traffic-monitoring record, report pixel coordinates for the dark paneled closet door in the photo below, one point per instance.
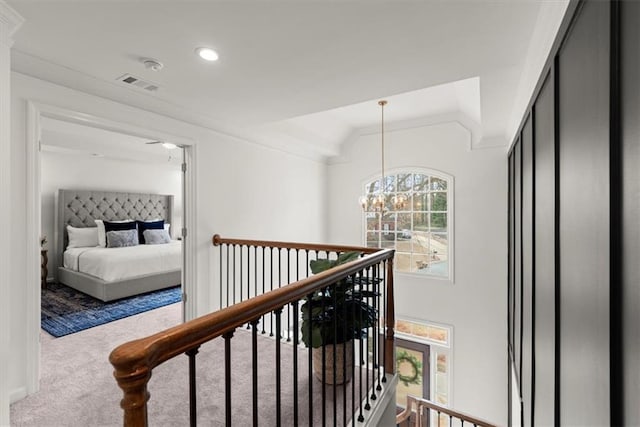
(517, 270)
(630, 68)
(527, 271)
(544, 217)
(584, 219)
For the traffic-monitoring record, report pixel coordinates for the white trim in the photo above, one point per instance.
(190, 307)
(35, 111)
(17, 394)
(10, 22)
(450, 216)
(34, 222)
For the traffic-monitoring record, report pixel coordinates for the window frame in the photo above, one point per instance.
(449, 212)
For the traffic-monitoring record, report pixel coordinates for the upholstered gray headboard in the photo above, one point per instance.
(79, 208)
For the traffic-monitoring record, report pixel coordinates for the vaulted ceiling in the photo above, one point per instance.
(302, 75)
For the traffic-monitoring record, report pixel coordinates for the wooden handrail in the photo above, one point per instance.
(134, 360)
(217, 240)
(408, 411)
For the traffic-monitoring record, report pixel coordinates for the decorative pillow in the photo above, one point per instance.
(148, 225)
(156, 237)
(102, 237)
(117, 226)
(122, 238)
(82, 237)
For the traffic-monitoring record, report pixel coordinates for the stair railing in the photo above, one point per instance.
(134, 361)
(422, 412)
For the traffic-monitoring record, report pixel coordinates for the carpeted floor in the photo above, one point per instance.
(77, 387)
(66, 311)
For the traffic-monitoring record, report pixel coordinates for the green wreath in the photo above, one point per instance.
(404, 357)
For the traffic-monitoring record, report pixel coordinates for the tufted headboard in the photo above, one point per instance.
(79, 208)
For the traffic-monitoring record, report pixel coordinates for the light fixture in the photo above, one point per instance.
(169, 145)
(378, 201)
(207, 53)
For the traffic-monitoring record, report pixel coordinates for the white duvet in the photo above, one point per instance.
(112, 264)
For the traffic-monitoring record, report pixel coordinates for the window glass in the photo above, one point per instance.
(418, 229)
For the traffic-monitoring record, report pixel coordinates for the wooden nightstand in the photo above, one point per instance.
(44, 271)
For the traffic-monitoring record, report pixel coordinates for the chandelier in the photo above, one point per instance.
(378, 201)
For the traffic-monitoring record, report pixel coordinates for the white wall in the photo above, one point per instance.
(84, 172)
(242, 190)
(475, 304)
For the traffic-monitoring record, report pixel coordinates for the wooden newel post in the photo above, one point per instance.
(136, 396)
(390, 320)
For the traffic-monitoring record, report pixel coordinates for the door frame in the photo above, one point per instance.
(35, 112)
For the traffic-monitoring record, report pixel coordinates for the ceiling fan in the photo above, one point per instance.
(167, 145)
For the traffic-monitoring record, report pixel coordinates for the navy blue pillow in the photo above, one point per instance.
(117, 226)
(148, 225)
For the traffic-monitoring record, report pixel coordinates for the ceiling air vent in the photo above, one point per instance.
(138, 82)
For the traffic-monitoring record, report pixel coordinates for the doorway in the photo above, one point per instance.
(38, 117)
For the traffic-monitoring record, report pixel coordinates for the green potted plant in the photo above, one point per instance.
(336, 315)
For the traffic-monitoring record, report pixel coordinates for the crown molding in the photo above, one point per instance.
(10, 22)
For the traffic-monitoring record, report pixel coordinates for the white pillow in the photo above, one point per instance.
(82, 237)
(166, 228)
(102, 236)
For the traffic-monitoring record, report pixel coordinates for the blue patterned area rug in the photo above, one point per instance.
(65, 310)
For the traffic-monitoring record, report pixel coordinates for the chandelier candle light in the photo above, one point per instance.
(378, 202)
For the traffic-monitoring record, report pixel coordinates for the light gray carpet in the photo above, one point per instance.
(78, 389)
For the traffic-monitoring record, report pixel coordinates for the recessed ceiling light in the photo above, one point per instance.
(169, 146)
(207, 53)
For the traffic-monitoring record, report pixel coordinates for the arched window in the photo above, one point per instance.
(420, 229)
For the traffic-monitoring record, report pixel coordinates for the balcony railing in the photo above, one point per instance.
(263, 286)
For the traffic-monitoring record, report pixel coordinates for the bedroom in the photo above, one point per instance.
(80, 163)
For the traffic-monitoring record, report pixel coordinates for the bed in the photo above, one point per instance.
(109, 273)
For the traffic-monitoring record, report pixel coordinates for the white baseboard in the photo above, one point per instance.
(17, 394)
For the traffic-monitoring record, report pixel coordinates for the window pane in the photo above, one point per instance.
(439, 222)
(388, 222)
(423, 330)
(431, 332)
(390, 184)
(442, 383)
(438, 184)
(420, 183)
(420, 221)
(438, 201)
(420, 202)
(437, 262)
(373, 221)
(405, 182)
(373, 187)
(404, 223)
(388, 240)
(373, 240)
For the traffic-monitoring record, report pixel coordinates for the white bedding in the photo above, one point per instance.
(112, 264)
